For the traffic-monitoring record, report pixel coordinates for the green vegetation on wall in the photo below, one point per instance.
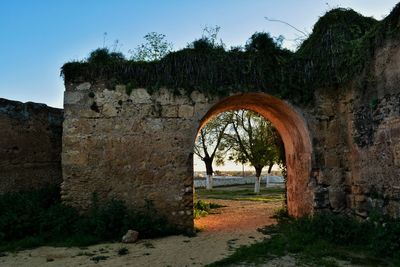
(340, 47)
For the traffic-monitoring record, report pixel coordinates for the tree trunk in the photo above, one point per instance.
(257, 185)
(209, 182)
(258, 178)
(209, 171)
(268, 174)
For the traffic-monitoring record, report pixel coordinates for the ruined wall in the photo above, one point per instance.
(137, 145)
(375, 128)
(30, 145)
(356, 140)
(329, 120)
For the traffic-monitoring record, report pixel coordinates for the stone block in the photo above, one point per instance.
(186, 111)
(170, 111)
(71, 158)
(110, 97)
(140, 96)
(350, 201)
(163, 96)
(327, 108)
(337, 198)
(198, 97)
(109, 110)
(332, 160)
(200, 110)
(152, 124)
(348, 177)
(321, 198)
(322, 177)
(359, 198)
(120, 88)
(73, 97)
(332, 139)
(83, 86)
(396, 154)
(357, 189)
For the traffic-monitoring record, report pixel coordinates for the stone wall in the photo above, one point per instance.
(30, 146)
(356, 141)
(375, 128)
(138, 146)
(342, 152)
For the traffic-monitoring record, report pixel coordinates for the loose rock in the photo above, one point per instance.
(130, 237)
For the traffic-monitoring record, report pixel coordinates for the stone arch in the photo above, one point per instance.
(295, 135)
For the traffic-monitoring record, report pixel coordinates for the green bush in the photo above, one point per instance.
(21, 214)
(36, 218)
(102, 56)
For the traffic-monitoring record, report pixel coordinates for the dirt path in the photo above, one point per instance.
(235, 225)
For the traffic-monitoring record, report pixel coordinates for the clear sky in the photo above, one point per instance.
(38, 36)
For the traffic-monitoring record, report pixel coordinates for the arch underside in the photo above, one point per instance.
(295, 136)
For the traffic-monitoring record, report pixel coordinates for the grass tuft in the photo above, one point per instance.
(123, 251)
(203, 208)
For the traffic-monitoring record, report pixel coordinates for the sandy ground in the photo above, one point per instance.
(221, 233)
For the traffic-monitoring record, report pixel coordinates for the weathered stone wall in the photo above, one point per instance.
(30, 146)
(331, 177)
(343, 151)
(139, 146)
(375, 128)
(356, 140)
(135, 147)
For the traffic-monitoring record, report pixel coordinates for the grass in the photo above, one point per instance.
(203, 208)
(37, 218)
(243, 193)
(324, 240)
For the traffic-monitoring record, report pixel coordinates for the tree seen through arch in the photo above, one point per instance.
(242, 136)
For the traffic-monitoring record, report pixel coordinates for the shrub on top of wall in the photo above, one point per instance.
(340, 47)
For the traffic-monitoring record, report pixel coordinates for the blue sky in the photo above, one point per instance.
(38, 36)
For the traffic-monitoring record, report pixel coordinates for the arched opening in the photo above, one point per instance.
(294, 133)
